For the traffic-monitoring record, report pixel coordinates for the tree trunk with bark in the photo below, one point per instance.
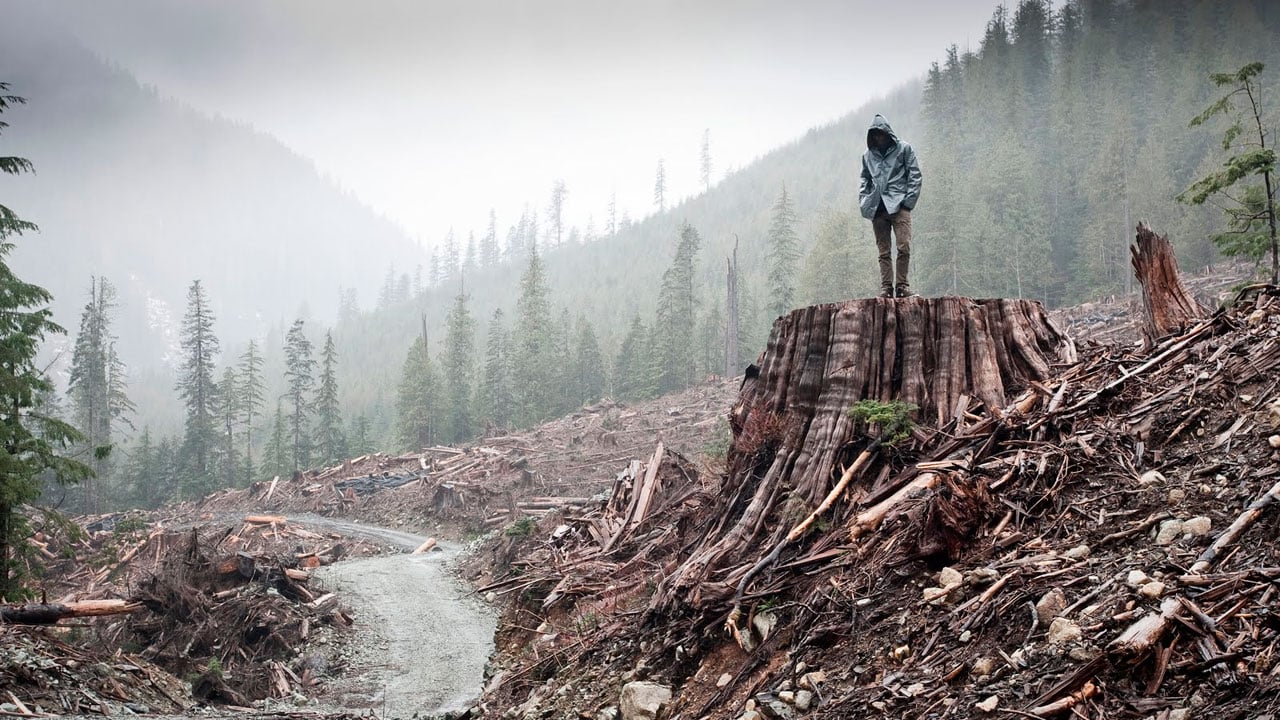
(792, 432)
(1169, 306)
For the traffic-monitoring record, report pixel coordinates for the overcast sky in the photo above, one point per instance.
(433, 111)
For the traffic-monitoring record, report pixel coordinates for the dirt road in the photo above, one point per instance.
(422, 639)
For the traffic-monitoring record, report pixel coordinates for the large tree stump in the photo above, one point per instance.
(1169, 306)
(791, 427)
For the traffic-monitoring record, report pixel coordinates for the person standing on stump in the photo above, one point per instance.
(891, 184)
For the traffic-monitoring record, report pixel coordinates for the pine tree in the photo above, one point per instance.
(533, 358)
(32, 439)
(660, 188)
(489, 253)
(329, 440)
(631, 374)
(458, 365)
(495, 404)
(197, 389)
(360, 443)
(555, 212)
(229, 400)
(677, 316)
(784, 252)
(252, 394)
(452, 260)
(704, 160)
(416, 398)
(839, 246)
(275, 452)
(96, 389)
(299, 383)
(588, 364)
(612, 214)
(142, 473)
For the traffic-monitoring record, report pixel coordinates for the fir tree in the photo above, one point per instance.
(677, 316)
(252, 394)
(489, 253)
(533, 359)
(329, 440)
(555, 212)
(197, 389)
(458, 363)
(704, 160)
(229, 401)
(32, 439)
(299, 383)
(588, 364)
(416, 399)
(632, 379)
(784, 252)
(142, 473)
(660, 188)
(360, 443)
(275, 452)
(494, 402)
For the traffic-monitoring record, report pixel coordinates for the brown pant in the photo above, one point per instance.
(900, 224)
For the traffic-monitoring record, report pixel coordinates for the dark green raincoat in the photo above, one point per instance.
(891, 176)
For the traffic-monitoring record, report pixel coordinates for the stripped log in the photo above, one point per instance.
(50, 613)
(1168, 306)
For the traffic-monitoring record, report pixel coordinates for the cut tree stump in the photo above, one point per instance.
(1168, 306)
(791, 427)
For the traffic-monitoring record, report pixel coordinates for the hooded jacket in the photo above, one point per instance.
(891, 176)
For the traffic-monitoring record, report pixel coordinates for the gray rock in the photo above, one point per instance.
(609, 713)
(804, 700)
(1169, 531)
(772, 707)
(643, 700)
(1050, 604)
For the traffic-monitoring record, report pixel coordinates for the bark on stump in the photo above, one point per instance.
(791, 427)
(1169, 306)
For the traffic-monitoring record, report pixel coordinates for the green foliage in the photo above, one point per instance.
(494, 403)
(197, 389)
(717, 446)
(300, 383)
(329, 440)
(784, 253)
(1251, 218)
(252, 394)
(892, 418)
(416, 400)
(34, 442)
(588, 380)
(533, 359)
(458, 364)
(673, 329)
(522, 528)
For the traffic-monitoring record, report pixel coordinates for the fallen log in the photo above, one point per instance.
(265, 519)
(424, 547)
(50, 613)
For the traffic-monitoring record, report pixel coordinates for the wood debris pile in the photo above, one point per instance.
(1102, 545)
(496, 481)
(234, 619)
(42, 674)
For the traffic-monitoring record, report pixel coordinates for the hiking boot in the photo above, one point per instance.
(886, 292)
(904, 291)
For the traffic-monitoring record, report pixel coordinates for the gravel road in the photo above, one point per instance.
(420, 640)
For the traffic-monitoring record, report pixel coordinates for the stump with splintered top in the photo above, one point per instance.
(1168, 306)
(791, 426)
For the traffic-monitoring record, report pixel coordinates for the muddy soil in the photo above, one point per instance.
(421, 639)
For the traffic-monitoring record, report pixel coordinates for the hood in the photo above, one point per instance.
(879, 123)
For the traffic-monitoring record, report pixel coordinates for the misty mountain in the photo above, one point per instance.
(141, 189)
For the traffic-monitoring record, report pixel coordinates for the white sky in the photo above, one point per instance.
(433, 111)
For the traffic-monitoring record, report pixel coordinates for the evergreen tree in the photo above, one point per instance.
(252, 394)
(197, 389)
(704, 160)
(275, 452)
(784, 252)
(229, 400)
(677, 316)
(470, 261)
(837, 248)
(632, 378)
(495, 403)
(1252, 218)
(361, 443)
(555, 212)
(329, 440)
(142, 474)
(32, 439)
(458, 365)
(612, 213)
(588, 364)
(452, 261)
(533, 358)
(417, 398)
(99, 403)
(489, 253)
(299, 383)
(660, 188)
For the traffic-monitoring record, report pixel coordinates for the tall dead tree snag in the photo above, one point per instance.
(793, 435)
(1169, 306)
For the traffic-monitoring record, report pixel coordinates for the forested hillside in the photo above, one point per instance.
(1041, 148)
(151, 194)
